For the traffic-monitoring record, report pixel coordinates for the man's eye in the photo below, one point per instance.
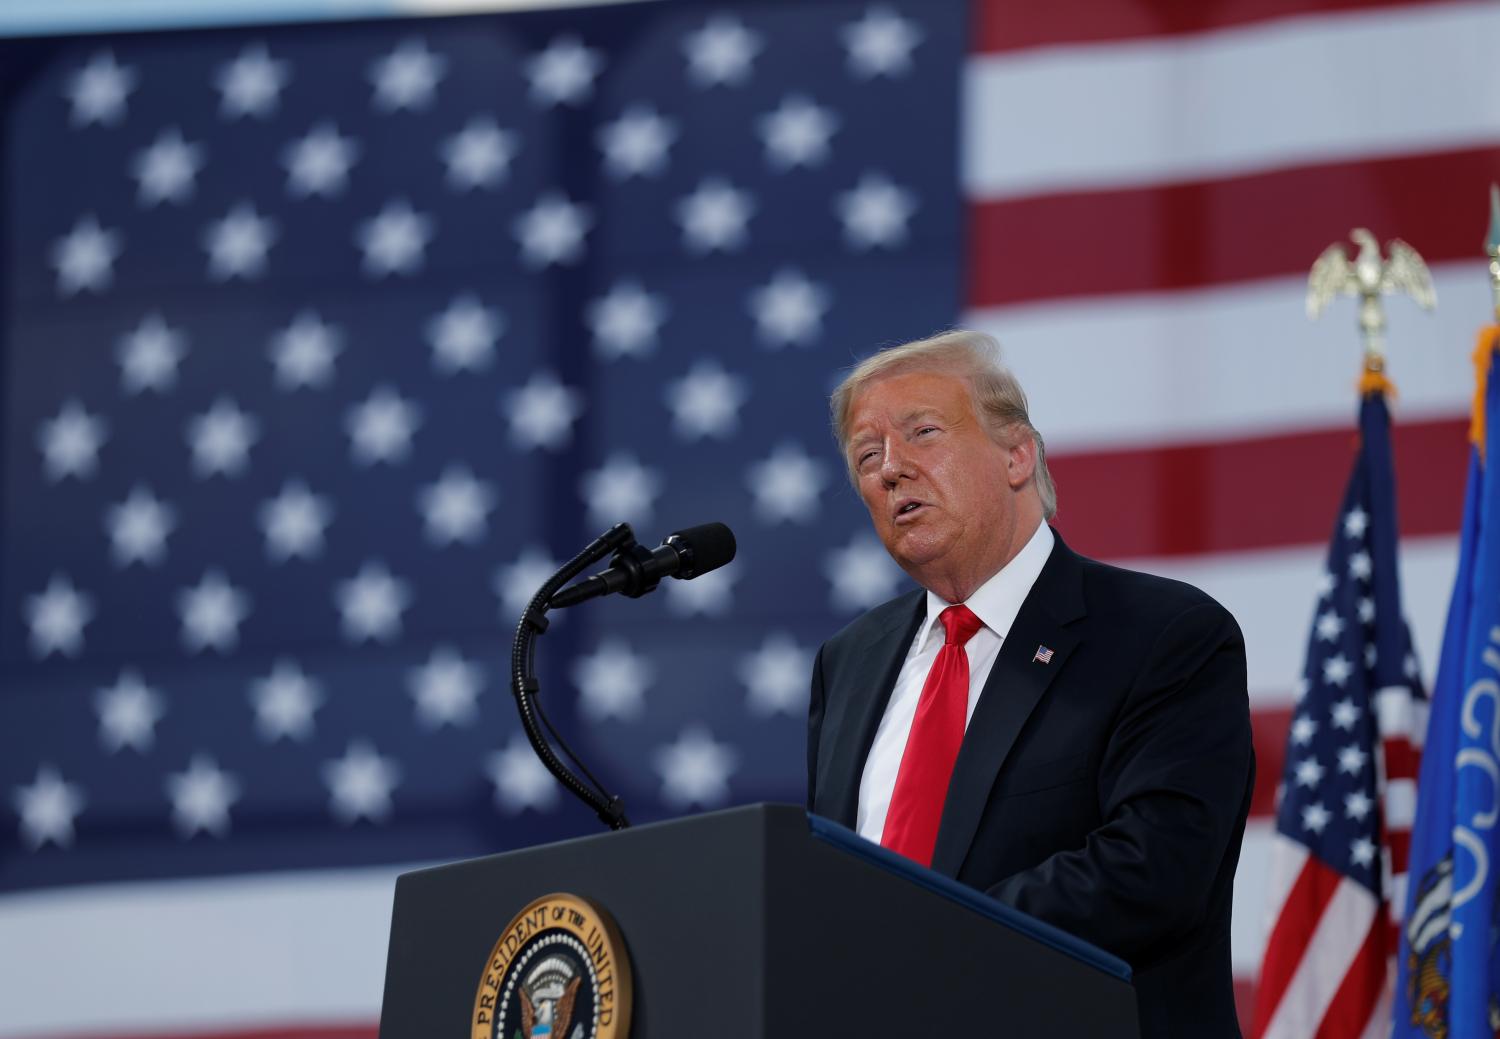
(926, 429)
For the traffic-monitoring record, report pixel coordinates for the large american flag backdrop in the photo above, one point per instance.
(322, 344)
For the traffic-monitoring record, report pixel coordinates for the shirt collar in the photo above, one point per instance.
(998, 600)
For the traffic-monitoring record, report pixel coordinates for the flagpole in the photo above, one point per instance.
(1351, 749)
(1447, 956)
(1492, 248)
(1489, 335)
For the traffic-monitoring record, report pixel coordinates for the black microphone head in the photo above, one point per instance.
(706, 547)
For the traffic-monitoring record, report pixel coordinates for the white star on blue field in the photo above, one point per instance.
(375, 334)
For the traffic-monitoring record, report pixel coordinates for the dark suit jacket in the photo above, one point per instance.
(1104, 792)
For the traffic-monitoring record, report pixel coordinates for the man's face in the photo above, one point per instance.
(941, 492)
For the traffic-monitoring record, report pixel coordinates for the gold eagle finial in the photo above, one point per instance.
(1369, 277)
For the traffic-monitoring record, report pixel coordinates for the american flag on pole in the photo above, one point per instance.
(1348, 789)
(319, 343)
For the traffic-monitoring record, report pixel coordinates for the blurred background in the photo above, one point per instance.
(330, 329)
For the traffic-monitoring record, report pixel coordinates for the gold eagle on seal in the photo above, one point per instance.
(554, 1015)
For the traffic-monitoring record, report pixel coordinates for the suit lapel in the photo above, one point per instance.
(879, 661)
(1015, 686)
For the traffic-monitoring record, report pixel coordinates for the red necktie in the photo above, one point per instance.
(911, 823)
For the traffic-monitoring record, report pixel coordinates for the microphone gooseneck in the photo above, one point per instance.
(525, 686)
(633, 572)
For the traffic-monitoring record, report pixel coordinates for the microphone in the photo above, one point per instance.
(636, 570)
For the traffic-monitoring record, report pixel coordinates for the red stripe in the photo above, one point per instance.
(1215, 232)
(1244, 1001)
(1293, 929)
(1401, 759)
(1259, 492)
(1004, 25)
(1360, 991)
(1399, 841)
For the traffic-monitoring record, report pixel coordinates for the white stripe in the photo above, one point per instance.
(1395, 712)
(1398, 895)
(35, 17)
(1400, 715)
(1272, 592)
(428, 7)
(240, 952)
(1269, 864)
(1235, 360)
(1422, 709)
(1288, 92)
(1400, 804)
(1335, 943)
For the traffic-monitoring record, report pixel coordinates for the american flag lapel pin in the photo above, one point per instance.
(1043, 654)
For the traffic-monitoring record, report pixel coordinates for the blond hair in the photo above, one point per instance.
(974, 356)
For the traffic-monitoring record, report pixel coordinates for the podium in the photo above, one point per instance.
(757, 922)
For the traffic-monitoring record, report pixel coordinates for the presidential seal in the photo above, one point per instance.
(559, 971)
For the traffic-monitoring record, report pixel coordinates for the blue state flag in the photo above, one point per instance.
(1449, 982)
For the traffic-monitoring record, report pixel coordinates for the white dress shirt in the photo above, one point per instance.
(995, 603)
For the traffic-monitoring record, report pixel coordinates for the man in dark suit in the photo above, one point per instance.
(1070, 737)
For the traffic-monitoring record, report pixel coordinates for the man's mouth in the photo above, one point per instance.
(907, 508)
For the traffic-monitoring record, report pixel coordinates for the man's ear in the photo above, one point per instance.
(1020, 460)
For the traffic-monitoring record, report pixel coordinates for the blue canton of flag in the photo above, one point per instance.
(1450, 974)
(324, 344)
(1343, 823)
